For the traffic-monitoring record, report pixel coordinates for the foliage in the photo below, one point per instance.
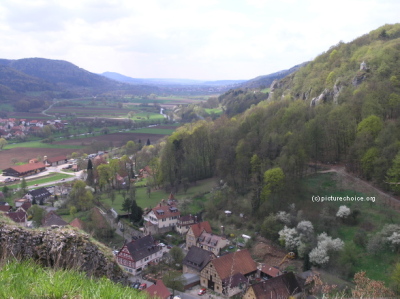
(49, 283)
(319, 255)
(368, 288)
(80, 196)
(343, 212)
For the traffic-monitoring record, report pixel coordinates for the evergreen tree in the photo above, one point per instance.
(90, 176)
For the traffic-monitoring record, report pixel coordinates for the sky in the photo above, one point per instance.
(187, 39)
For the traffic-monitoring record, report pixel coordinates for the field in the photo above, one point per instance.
(23, 152)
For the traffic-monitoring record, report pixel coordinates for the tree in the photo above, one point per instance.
(24, 187)
(3, 142)
(394, 174)
(368, 288)
(174, 281)
(273, 182)
(37, 215)
(148, 142)
(81, 196)
(176, 256)
(90, 176)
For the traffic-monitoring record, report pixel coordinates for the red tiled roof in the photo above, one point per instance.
(166, 212)
(28, 167)
(77, 223)
(56, 159)
(26, 206)
(271, 271)
(235, 262)
(199, 227)
(158, 290)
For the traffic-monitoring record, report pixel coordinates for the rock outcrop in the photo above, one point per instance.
(65, 248)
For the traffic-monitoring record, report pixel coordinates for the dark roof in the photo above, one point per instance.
(197, 258)
(40, 193)
(5, 208)
(235, 262)
(158, 290)
(26, 206)
(26, 167)
(19, 217)
(142, 247)
(53, 219)
(282, 286)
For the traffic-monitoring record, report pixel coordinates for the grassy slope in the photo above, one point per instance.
(375, 215)
(27, 280)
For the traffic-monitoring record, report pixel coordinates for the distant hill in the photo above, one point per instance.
(265, 81)
(168, 81)
(50, 74)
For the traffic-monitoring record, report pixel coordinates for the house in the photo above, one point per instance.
(20, 202)
(158, 290)
(18, 217)
(39, 195)
(268, 272)
(77, 223)
(56, 160)
(4, 206)
(283, 286)
(196, 259)
(229, 274)
(24, 207)
(161, 219)
(211, 242)
(184, 223)
(137, 254)
(195, 231)
(24, 170)
(52, 219)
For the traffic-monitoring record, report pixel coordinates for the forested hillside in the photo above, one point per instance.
(336, 109)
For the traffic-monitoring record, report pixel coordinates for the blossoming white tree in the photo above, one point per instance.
(343, 212)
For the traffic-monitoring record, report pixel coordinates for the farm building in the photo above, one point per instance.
(24, 170)
(229, 274)
(38, 195)
(56, 160)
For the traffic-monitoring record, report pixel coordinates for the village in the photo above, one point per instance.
(214, 264)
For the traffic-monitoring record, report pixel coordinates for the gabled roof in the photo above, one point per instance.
(53, 219)
(142, 247)
(27, 167)
(56, 159)
(158, 290)
(198, 228)
(282, 286)
(209, 239)
(19, 217)
(271, 271)
(197, 258)
(40, 193)
(235, 262)
(166, 211)
(4, 208)
(77, 223)
(26, 205)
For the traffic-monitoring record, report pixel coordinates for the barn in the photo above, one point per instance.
(24, 170)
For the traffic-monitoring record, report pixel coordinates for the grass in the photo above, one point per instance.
(38, 144)
(378, 267)
(20, 280)
(214, 110)
(47, 179)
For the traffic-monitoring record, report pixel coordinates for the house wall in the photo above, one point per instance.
(250, 294)
(190, 239)
(209, 277)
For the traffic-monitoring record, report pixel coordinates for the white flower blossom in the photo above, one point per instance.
(290, 238)
(343, 212)
(283, 217)
(319, 256)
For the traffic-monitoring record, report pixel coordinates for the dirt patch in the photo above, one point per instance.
(272, 255)
(24, 154)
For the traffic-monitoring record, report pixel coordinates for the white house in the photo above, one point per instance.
(137, 254)
(161, 219)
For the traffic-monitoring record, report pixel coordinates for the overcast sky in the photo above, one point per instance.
(205, 39)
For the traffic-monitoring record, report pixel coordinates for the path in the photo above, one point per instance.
(351, 181)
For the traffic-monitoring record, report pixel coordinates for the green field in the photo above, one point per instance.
(38, 144)
(52, 177)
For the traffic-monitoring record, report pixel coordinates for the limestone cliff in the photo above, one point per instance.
(60, 248)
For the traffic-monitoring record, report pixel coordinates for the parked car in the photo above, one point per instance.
(135, 285)
(202, 291)
(142, 286)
